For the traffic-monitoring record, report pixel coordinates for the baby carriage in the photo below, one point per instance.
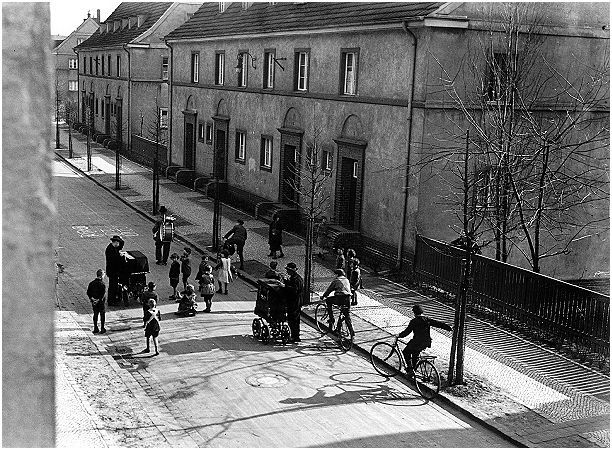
(271, 308)
(134, 277)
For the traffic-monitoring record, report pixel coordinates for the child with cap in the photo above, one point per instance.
(186, 266)
(175, 272)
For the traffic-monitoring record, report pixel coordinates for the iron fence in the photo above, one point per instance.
(554, 310)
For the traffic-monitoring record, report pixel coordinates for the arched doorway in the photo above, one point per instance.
(349, 174)
(190, 117)
(292, 133)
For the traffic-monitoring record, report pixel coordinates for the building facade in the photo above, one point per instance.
(66, 81)
(253, 85)
(123, 70)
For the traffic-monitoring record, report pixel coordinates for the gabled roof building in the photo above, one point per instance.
(254, 86)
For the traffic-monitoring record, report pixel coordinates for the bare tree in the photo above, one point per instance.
(156, 130)
(311, 183)
(71, 115)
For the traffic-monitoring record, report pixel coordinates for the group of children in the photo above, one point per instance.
(351, 266)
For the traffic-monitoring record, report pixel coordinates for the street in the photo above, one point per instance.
(212, 385)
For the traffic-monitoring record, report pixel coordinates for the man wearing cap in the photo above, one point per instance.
(238, 237)
(162, 240)
(341, 288)
(421, 338)
(114, 267)
(294, 287)
(96, 291)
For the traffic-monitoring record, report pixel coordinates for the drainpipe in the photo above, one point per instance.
(129, 92)
(170, 110)
(400, 247)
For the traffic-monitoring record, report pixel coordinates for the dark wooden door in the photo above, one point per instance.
(348, 193)
(107, 123)
(220, 154)
(188, 156)
(119, 117)
(290, 174)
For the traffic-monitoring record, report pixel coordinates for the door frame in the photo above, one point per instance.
(294, 137)
(221, 123)
(190, 116)
(353, 149)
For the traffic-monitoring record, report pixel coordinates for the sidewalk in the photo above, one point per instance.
(524, 391)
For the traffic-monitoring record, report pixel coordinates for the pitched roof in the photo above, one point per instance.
(152, 10)
(262, 17)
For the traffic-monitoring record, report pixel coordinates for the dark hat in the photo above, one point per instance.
(417, 309)
(116, 238)
(99, 272)
(339, 272)
(151, 285)
(291, 266)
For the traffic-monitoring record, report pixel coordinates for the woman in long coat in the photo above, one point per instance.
(275, 237)
(114, 268)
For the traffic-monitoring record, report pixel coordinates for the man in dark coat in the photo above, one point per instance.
(421, 338)
(275, 237)
(238, 237)
(294, 286)
(115, 263)
(162, 242)
(96, 291)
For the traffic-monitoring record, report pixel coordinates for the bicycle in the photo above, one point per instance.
(388, 361)
(345, 337)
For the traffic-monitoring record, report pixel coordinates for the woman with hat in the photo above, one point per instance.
(294, 286)
(115, 262)
(146, 296)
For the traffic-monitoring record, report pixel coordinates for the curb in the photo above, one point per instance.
(509, 435)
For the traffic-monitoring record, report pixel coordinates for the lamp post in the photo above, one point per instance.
(216, 233)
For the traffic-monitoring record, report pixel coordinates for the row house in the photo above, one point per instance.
(123, 73)
(66, 83)
(254, 84)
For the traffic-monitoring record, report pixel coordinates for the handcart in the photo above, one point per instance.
(271, 307)
(134, 279)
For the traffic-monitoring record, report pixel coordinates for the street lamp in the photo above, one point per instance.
(240, 60)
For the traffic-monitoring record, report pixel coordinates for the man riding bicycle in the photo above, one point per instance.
(341, 288)
(421, 339)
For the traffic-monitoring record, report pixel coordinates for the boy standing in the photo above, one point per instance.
(96, 291)
(186, 266)
(175, 272)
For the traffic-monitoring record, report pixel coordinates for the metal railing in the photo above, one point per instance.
(558, 312)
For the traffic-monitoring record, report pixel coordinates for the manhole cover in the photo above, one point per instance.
(266, 380)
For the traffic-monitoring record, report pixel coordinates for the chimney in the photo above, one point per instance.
(98, 16)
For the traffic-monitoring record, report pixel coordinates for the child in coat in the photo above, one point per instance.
(186, 266)
(152, 327)
(207, 287)
(175, 273)
(224, 271)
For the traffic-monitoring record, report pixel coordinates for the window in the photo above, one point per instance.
(195, 67)
(163, 118)
(97, 60)
(219, 68)
(209, 132)
(79, 40)
(484, 189)
(348, 72)
(201, 132)
(243, 69)
(164, 67)
(326, 160)
(90, 65)
(268, 71)
(84, 64)
(498, 77)
(73, 85)
(240, 145)
(265, 159)
(109, 65)
(72, 63)
(355, 169)
(103, 65)
(118, 66)
(301, 70)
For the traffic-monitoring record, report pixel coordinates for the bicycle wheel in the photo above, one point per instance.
(427, 379)
(386, 359)
(321, 317)
(345, 339)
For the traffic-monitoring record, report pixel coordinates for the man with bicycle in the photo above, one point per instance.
(341, 289)
(421, 339)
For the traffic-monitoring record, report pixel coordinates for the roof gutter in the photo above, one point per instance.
(402, 230)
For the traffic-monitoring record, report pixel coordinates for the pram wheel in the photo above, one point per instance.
(265, 334)
(256, 328)
(285, 334)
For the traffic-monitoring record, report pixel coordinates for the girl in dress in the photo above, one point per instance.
(224, 271)
(207, 287)
(153, 316)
